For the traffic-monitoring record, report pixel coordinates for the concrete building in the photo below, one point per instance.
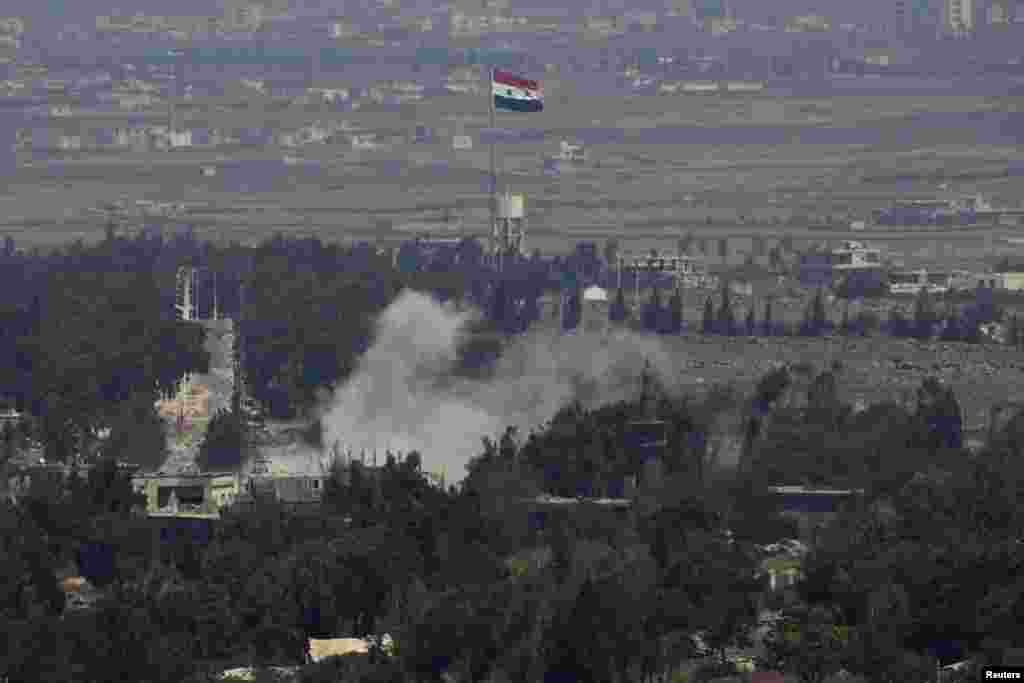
(1013, 282)
(340, 29)
(291, 490)
(130, 101)
(205, 493)
(178, 139)
(958, 16)
(1000, 12)
(782, 562)
(12, 26)
(243, 16)
(812, 508)
(808, 22)
(69, 143)
(595, 309)
(19, 476)
(915, 15)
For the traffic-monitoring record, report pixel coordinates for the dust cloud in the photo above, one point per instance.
(404, 395)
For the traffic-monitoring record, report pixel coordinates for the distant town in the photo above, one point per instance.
(503, 343)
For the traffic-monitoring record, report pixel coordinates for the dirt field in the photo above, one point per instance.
(874, 369)
(632, 185)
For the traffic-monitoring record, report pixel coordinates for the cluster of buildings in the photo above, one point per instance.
(857, 260)
(238, 16)
(11, 30)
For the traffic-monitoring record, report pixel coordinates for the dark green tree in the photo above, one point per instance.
(768, 323)
(531, 311)
(952, 328)
(137, 434)
(675, 307)
(815, 317)
(924, 314)
(725, 320)
(224, 445)
(652, 311)
(897, 323)
(618, 312)
(810, 642)
(573, 309)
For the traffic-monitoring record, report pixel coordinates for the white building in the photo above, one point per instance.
(69, 142)
(179, 138)
(365, 141)
(570, 152)
(808, 22)
(256, 84)
(328, 95)
(958, 16)
(999, 13)
(340, 29)
(594, 313)
(134, 101)
(12, 25)
(700, 86)
(913, 281)
(130, 137)
(245, 17)
(855, 255)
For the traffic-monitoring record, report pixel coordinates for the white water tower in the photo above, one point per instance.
(510, 227)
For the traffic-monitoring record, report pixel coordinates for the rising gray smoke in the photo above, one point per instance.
(393, 400)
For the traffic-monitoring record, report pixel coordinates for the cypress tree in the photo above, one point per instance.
(574, 309)
(652, 311)
(708, 323)
(617, 312)
(817, 316)
(675, 306)
(924, 315)
(726, 318)
(951, 327)
(897, 323)
(531, 311)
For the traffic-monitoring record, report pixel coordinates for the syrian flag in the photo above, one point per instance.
(512, 93)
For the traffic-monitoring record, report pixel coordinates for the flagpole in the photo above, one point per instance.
(494, 179)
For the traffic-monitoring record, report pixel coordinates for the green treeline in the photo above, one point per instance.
(476, 583)
(481, 584)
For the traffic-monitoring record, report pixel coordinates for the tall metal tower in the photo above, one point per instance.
(186, 286)
(647, 436)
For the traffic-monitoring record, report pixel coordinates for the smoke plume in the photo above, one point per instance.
(403, 395)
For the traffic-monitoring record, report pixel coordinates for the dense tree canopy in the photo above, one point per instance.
(482, 582)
